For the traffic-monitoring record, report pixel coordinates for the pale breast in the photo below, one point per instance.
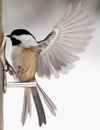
(24, 62)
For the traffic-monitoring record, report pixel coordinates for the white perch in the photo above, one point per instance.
(20, 84)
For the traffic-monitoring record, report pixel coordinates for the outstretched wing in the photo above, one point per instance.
(69, 37)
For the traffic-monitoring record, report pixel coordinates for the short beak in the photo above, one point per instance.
(9, 36)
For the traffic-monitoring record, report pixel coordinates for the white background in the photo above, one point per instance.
(77, 94)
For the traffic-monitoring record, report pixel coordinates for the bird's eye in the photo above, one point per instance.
(15, 41)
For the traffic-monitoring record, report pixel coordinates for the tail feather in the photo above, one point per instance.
(26, 105)
(51, 106)
(36, 93)
(29, 103)
(39, 106)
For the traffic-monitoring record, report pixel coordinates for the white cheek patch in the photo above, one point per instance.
(27, 40)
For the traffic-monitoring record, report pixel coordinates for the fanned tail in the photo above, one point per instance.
(37, 93)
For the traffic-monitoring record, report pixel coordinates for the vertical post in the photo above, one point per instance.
(1, 72)
(1, 96)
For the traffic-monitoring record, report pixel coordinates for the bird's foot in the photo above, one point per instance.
(9, 69)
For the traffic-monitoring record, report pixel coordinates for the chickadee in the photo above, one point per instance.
(51, 56)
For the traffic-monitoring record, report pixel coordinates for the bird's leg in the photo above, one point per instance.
(10, 69)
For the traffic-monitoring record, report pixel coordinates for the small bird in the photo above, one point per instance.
(53, 55)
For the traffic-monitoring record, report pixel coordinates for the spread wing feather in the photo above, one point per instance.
(69, 37)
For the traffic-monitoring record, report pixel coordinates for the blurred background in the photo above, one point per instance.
(77, 94)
